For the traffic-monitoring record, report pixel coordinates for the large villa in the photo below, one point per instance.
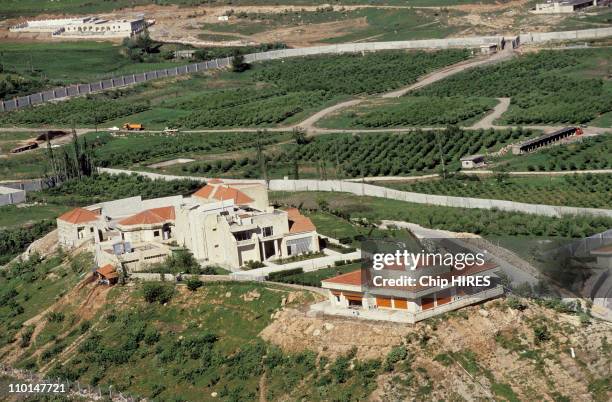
(232, 224)
(222, 224)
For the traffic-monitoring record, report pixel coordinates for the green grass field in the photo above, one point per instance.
(12, 215)
(50, 64)
(591, 191)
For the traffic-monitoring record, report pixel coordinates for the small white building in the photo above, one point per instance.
(9, 196)
(84, 27)
(472, 161)
(562, 6)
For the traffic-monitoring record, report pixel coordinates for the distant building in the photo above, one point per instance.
(545, 140)
(563, 6)
(85, 27)
(472, 161)
(9, 196)
(221, 224)
(488, 49)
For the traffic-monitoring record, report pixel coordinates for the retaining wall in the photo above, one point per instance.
(440, 200)
(384, 192)
(122, 81)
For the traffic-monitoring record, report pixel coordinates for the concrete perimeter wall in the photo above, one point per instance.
(384, 192)
(538, 37)
(131, 79)
(440, 200)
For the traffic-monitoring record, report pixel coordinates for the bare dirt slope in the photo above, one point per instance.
(500, 341)
(185, 24)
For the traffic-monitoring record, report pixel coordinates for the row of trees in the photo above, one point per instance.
(368, 154)
(541, 88)
(422, 110)
(355, 73)
(576, 190)
(91, 110)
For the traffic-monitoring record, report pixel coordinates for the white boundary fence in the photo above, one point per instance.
(364, 189)
(131, 79)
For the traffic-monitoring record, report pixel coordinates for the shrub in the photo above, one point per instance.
(158, 292)
(55, 316)
(194, 284)
(541, 334)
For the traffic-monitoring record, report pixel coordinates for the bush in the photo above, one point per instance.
(55, 316)
(194, 284)
(275, 276)
(253, 265)
(541, 334)
(157, 292)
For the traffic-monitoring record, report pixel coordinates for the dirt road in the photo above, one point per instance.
(488, 120)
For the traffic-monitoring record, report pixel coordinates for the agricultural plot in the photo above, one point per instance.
(368, 24)
(546, 87)
(591, 191)
(370, 210)
(14, 8)
(104, 187)
(590, 153)
(272, 93)
(411, 111)
(23, 166)
(346, 155)
(30, 67)
(144, 149)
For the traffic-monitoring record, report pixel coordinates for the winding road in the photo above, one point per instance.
(309, 125)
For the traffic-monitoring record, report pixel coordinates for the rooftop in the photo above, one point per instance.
(298, 223)
(222, 192)
(108, 271)
(150, 217)
(78, 215)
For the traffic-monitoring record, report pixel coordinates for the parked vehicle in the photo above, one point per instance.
(133, 126)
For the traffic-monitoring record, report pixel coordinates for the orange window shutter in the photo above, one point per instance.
(383, 302)
(401, 304)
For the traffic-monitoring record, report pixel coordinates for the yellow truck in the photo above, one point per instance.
(133, 126)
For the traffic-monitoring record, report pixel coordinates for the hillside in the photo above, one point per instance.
(246, 341)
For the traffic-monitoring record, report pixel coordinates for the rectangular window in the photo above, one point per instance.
(268, 231)
(156, 233)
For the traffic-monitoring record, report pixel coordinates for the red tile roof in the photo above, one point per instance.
(350, 278)
(204, 192)
(215, 181)
(79, 215)
(150, 217)
(298, 223)
(222, 193)
(108, 271)
(229, 193)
